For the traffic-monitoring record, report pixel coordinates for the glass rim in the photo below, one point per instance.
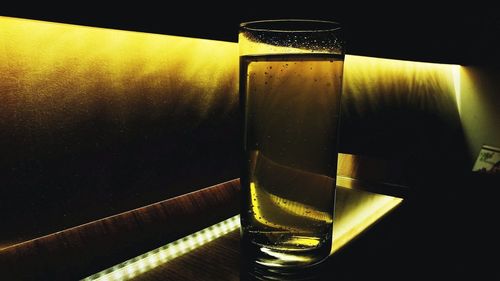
(322, 25)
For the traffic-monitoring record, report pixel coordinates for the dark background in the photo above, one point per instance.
(415, 30)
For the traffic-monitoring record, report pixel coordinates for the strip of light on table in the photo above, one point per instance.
(131, 268)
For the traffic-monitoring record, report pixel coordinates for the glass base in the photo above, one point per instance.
(273, 263)
(251, 271)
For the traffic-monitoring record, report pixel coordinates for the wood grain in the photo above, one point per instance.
(217, 260)
(84, 250)
(220, 260)
(80, 251)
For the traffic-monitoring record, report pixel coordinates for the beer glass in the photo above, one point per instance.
(290, 89)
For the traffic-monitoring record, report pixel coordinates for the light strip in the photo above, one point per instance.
(133, 267)
(347, 227)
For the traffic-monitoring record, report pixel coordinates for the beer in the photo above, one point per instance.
(290, 105)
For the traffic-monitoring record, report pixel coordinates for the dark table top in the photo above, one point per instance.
(190, 258)
(195, 236)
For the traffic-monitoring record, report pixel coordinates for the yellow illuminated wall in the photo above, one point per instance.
(479, 105)
(52, 70)
(80, 105)
(54, 74)
(58, 73)
(373, 84)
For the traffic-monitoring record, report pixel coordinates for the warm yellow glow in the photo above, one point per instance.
(480, 114)
(456, 86)
(283, 256)
(300, 209)
(372, 84)
(54, 75)
(304, 241)
(345, 182)
(128, 269)
(419, 75)
(360, 210)
(291, 207)
(256, 207)
(355, 211)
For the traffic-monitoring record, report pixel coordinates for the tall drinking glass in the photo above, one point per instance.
(290, 89)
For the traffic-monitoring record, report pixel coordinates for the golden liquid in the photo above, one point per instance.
(291, 112)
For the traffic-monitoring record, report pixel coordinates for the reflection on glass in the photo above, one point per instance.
(290, 88)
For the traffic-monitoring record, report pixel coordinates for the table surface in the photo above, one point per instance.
(355, 211)
(138, 244)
